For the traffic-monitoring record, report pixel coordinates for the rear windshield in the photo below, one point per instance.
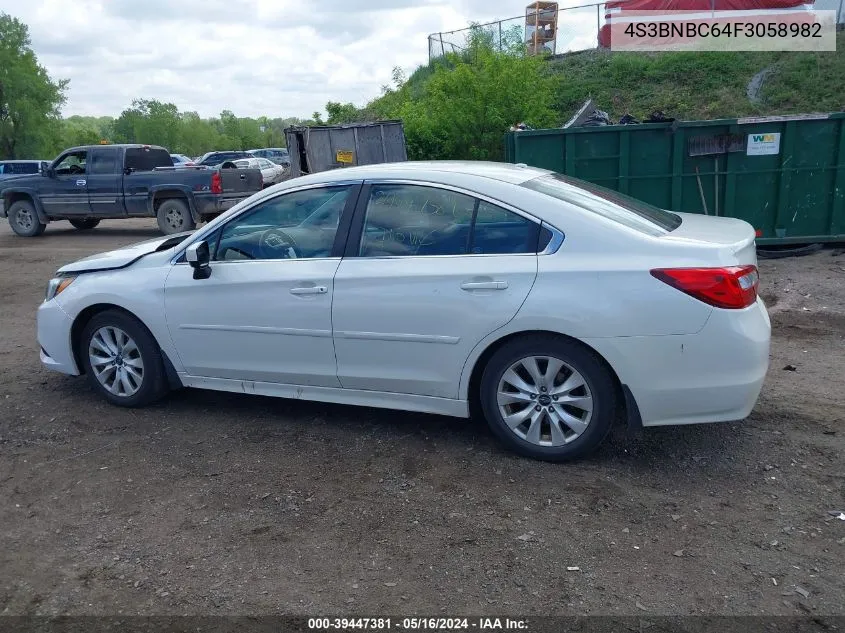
(613, 205)
(147, 158)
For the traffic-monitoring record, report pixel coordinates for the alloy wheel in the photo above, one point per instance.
(116, 361)
(544, 401)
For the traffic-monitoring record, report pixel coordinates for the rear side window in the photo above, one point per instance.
(610, 204)
(103, 161)
(147, 158)
(415, 220)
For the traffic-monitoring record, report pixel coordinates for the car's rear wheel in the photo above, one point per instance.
(24, 219)
(122, 359)
(548, 397)
(84, 225)
(174, 216)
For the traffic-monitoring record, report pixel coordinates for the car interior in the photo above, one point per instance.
(401, 220)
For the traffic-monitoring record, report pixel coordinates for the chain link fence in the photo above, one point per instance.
(577, 30)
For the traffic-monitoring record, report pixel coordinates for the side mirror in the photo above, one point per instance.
(198, 256)
(49, 172)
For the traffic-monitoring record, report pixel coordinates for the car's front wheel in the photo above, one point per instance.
(548, 397)
(122, 359)
(84, 225)
(24, 219)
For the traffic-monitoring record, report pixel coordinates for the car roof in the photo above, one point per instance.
(23, 160)
(421, 170)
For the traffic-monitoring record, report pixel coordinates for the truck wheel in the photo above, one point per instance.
(24, 220)
(174, 217)
(84, 225)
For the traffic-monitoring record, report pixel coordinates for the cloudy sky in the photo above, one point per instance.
(254, 57)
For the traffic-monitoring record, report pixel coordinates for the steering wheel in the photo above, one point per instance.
(277, 244)
(76, 169)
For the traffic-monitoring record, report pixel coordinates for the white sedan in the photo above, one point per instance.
(549, 305)
(271, 173)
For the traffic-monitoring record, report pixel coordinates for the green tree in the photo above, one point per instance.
(149, 121)
(29, 99)
(471, 99)
(343, 113)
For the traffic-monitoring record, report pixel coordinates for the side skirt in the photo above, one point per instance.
(358, 397)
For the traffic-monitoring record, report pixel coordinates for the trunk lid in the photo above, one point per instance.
(730, 235)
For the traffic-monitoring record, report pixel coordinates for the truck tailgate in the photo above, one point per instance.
(243, 182)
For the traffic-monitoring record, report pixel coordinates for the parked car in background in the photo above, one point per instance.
(212, 159)
(9, 168)
(270, 172)
(180, 160)
(278, 155)
(87, 184)
(550, 305)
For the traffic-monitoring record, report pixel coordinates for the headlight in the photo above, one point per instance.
(57, 285)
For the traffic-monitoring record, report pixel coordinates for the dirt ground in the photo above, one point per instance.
(217, 503)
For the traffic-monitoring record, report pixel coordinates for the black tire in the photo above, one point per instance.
(84, 225)
(24, 220)
(174, 216)
(153, 384)
(599, 380)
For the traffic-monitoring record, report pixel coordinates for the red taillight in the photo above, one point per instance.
(216, 183)
(730, 287)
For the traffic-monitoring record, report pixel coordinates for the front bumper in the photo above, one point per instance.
(714, 375)
(2, 208)
(54, 327)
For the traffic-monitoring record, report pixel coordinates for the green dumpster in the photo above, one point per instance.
(783, 175)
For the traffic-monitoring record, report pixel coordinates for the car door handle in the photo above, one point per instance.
(310, 290)
(484, 285)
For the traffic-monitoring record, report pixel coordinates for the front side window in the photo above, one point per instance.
(297, 225)
(72, 164)
(415, 220)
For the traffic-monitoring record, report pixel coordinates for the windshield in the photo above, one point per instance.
(610, 204)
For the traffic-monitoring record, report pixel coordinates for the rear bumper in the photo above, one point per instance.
(713, 376)
(218, 204)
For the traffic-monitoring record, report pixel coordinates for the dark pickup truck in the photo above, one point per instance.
(89, 184)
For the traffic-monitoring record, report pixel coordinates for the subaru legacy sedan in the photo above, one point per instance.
(549, 306)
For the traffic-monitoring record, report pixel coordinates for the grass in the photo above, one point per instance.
(694, 86)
